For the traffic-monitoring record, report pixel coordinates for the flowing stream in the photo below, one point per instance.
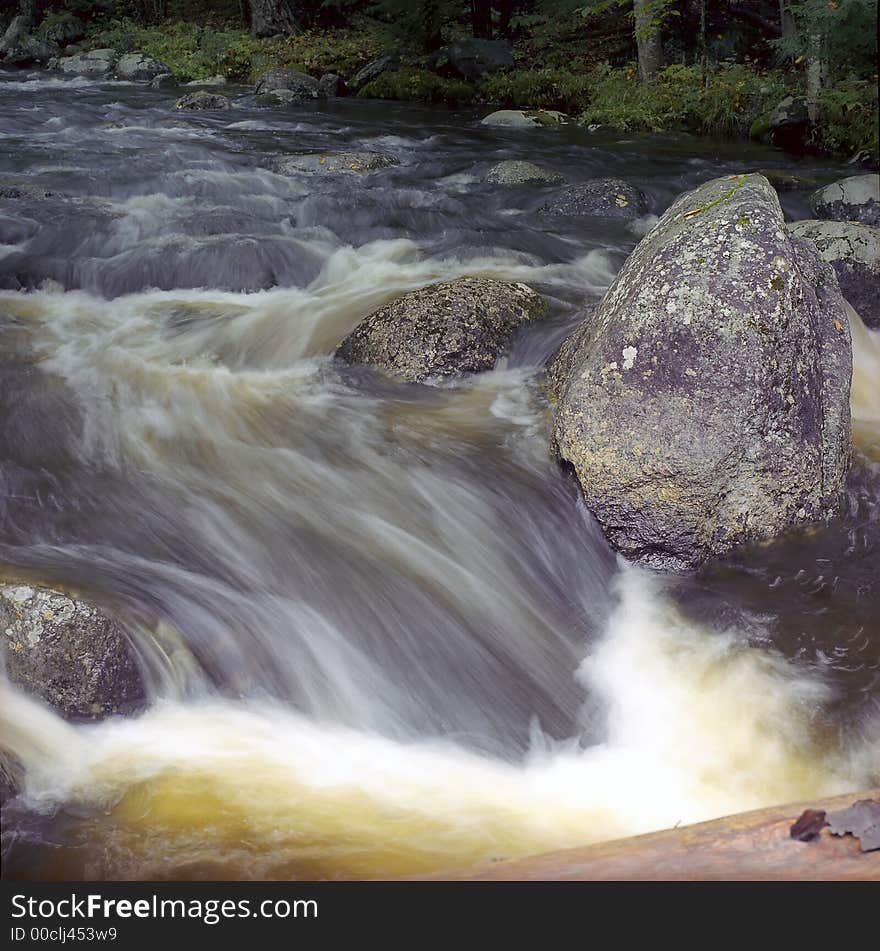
(383, 635)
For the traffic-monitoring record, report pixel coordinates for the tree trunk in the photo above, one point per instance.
(269, 17)
(786, 20)
(505, 13)
(28, 10)
(481, 19)
(647, 41)
(817, 69)
(155, 10)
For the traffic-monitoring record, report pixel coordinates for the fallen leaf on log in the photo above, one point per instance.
(809, 825)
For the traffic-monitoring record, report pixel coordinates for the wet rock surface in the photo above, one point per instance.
(442, 330)
(518, 172)
(203, 100)
(329, 163)
(95, 63)
(68, 652)
(853, 250)
(850, 199)
(298, 87)
(524, 119)
(600, 198)
(138, 67)
(705, 403)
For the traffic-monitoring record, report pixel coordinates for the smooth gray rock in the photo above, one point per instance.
(517, 172)
(18, 28)
(705, 403)
(853, 250)
(850, 199)
(524, 118)
(94, 63)
(68, 652)
(327, 163)
(442, 330)
(299, 87)
(203, 100)
(600, 198)
(138, 67)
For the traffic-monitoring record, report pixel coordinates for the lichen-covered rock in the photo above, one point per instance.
(442, 330)
(524, 119)
(517, 172)
(299, 87)
(850, 199)
(94, 63)
(328, 163)
(138, 67)
(387, 63)
(600, 198)
(30, 51)
(68, 652)
(705, 403)
(853, 250)
(64, 29)
(332, 85)
(203, 100)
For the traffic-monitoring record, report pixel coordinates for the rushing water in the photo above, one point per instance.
(382, 633)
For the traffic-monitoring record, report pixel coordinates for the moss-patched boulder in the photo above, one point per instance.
(203, 100)
(442, 330)
(69, 652)
(851, 199)
(336, 163)
(298, 87)
(524, 118)
(598, 198)
(705, 403)
(853, 250)
(519, 172)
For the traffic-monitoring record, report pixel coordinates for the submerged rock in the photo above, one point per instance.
(325, 163)
(203, 100)
(288, 85)
(850, 199)
(442, 330)
(853, 250)
(524, 119)
(705, 403)
(517, 172)
(94, 63)
(69, 653)
(601, 198)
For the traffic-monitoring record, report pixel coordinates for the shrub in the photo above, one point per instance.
(848, 117)
(418, 85)
(538, 89)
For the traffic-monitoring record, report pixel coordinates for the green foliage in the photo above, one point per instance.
(418, 23)
(727, 103)
(848, 31)
(418, 85)
(538, 88)
(848, 117)
(197, 52)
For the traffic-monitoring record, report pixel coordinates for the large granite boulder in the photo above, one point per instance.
(853, 250)
(519, 172)
(599, 198)
(442, 330)
(297, 87)
(330, 163)
(138, 67)
(95, 63)
(705, 403)
(850, 199)
(68, 652)
(30, 51)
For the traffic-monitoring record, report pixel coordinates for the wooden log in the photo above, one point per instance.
(750, 846)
